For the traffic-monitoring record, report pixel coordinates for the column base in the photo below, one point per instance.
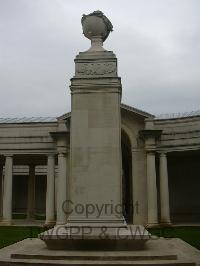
(49, 224)
(30, 219)
(165, 224)
(152, 225)
(60, 224)
(6, 222)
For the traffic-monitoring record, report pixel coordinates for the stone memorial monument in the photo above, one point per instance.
(95, 151)
(95, 231)
(96, 127)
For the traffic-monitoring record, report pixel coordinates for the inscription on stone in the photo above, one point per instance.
(100, 69)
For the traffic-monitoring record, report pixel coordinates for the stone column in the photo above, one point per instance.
(139, 186)
(61, 188)
(7, 190)
(31, 193)
(50, 193)
(151, 190)
(1, 189)
(164, 190)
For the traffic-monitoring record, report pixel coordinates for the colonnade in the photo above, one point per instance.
(146, 191)
(52, 211)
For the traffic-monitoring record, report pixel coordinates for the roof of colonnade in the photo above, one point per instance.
(22, 120)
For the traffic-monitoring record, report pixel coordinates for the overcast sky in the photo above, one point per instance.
(157, 43)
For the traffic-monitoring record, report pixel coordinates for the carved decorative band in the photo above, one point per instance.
(94, 91)
(96, 69)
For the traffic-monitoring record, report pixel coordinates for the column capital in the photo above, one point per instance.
(63, 150)
(62, 154)
(137, 150)
(163, 154)
(9, 155)
(50, 155)
(151, 152)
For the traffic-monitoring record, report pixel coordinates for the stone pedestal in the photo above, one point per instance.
(162, 252)
(95, 184)
(95, 147)
(96, 237)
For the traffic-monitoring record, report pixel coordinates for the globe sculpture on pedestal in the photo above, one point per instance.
(96, 27)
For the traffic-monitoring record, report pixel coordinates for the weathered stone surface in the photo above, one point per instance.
(96, 237)
(95, 146)
(157, 252)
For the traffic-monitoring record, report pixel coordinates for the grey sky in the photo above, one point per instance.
(157, 43)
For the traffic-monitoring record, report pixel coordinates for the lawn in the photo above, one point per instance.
(12, 234)
(190, 235)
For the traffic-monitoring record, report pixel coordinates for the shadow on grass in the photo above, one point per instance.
(13, 234)
(191, 235)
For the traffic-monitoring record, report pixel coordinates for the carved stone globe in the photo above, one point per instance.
(96, 27)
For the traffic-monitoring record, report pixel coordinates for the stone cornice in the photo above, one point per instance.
(149, 133)
(59, 134)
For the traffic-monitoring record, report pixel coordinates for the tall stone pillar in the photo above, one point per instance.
(50, 192)
(164, 190)
(61, 188)
(95, 147)
(151, 190)
(31, 193)
(7, 190)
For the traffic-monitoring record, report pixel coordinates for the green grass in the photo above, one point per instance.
(13, 234)
(191, 235)
(23, 216)
(40, 217)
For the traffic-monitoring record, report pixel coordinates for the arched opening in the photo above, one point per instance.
(127, 194)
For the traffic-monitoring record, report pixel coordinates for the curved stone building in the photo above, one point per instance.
(160, 162)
